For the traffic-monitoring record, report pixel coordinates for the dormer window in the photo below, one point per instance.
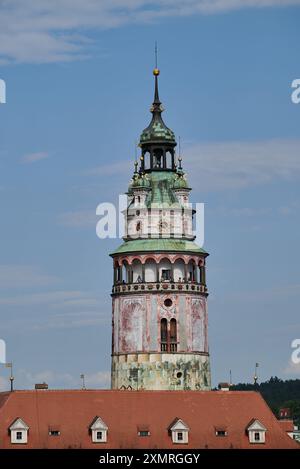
(256, 432)
(99, 430)
(179, 432)
(19, 432)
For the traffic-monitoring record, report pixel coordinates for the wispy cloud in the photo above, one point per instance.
(62, 309)
(34, 157)
(78, 219)
(57, 298)
(73, 319)
(24, 276)
(44, 31)
(217, 166)
(292, 369)
(118, 167)
(235, 165)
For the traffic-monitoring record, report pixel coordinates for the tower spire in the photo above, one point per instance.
(156, 72)
(157, 140)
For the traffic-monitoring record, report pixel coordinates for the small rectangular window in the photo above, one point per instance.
(99, 435)
(257, 436)
(221, 433)
(179, 436)
(54, 432)
(166, 274)
(19, 435)
(144, 433)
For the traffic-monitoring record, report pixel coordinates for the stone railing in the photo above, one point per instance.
(166, 286)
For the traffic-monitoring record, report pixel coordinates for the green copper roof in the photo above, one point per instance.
(141, 181)
(161, 185)
(162, 194)
(158, 245)
(157, 131)
(181, 182)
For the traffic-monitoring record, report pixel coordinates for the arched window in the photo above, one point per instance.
(164, 335)
(173, 335)
(168, 338)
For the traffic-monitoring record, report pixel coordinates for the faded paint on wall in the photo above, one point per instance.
(162, 372)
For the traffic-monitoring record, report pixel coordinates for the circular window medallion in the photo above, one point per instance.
(168, 302)
(179, 374)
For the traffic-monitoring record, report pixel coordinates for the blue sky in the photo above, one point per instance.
(79, 87)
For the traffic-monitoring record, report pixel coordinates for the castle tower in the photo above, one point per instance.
(159, 296)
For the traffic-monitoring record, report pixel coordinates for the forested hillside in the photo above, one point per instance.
(277, 393)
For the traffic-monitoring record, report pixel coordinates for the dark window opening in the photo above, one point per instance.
(99, 435)
(173, 330)
(144, 433)
(179, 436)
(54, 432)
(168, 338)
(166, 274)
(221, 433)
(164, 335)
(19, 435)
(257, 436)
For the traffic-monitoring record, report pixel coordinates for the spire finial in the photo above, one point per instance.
(156, 72)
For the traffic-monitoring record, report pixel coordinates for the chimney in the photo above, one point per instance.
(224, 386)
(40, 386)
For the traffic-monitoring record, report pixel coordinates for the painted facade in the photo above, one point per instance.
(159, 295)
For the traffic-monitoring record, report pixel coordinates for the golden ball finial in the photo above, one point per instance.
(156, 72)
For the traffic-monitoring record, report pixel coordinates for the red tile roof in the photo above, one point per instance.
(72, 411)
(287, 425)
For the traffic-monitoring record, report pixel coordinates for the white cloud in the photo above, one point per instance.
(73, 320)
(118, 167)
(24, 276)
(78, 219)
(234, 165)
(57, 298)
(215, 166)
(45, 30)
(34, 157)
(292, 369)
(62, 310)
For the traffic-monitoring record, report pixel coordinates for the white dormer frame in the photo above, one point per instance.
(180, 432)
(19, 432)
(256, 432)
(99, 431)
